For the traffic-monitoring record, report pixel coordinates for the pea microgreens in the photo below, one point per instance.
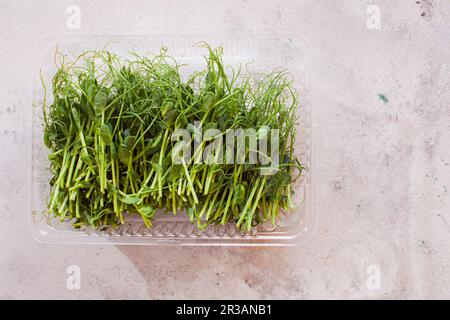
(109, 132)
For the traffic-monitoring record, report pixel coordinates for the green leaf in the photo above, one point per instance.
(167, 106)
(100, 102)
(146, 210)
(105, 134)
(49, 137)
(209, 101)
(91, 91)
(284, 178)
(253, 116)
(154, 145)
(130, 199)
(124, 154)
(175, 172)
(277, 181)
(170, 116)
(239, 194)
(129, 142)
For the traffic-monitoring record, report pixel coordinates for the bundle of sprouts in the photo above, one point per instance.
(113, 133)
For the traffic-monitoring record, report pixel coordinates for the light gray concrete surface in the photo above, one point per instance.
(381, 176)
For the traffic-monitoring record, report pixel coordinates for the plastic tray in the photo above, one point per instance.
(261, 53)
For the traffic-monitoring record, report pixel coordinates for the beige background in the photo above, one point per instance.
(381, 173)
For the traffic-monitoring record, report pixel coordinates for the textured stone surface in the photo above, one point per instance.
(381, 168)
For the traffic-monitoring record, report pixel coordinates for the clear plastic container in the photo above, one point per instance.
(261, 53)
